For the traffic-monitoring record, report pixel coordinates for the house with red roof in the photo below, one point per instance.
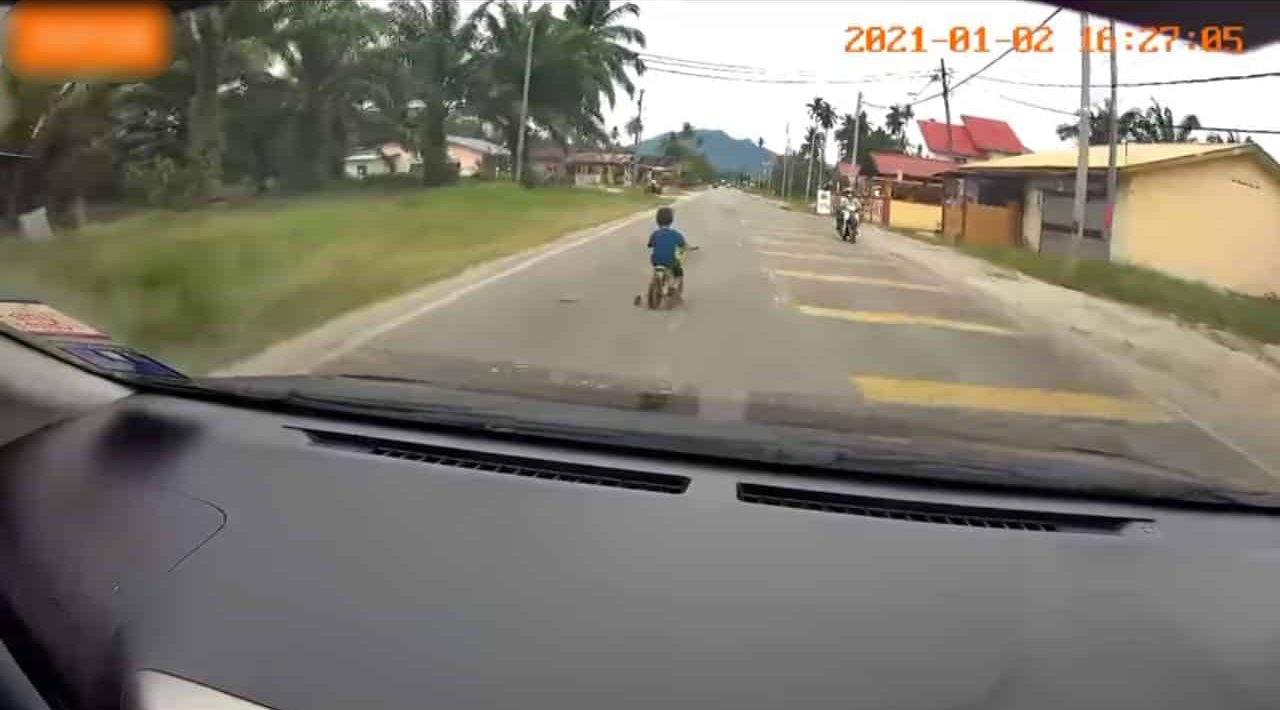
(975, 138)
(905, 191)
(893, 165)
(901, 167)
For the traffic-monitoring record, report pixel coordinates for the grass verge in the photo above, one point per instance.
(202, 289)
(1192, 302)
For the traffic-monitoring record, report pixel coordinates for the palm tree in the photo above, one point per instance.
(826, 120)
(686, 130)
(613, 137)
(897, 120)
(1158, 126)
(203, 33)
(815, 109)
(433, 49)
(214, 45)
(1227, 137)
(809, 141)
(634, 128)
(844, 136)
(604, 21)
(1154, 125)
(565, 86)
(1100, 125)
(320, 44)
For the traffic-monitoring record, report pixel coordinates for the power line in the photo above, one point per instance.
(1042, 108)
(1263, 131)
(1170, 82)
(987, 66)
(666, 68)
(747, 79)
(876, 78)
(701, 66)
(932, 78)
(697, 65)
(661, 57)
(699, 69)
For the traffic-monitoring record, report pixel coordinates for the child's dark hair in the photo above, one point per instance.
(665, 217)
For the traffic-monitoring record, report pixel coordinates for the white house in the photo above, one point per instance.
(386, 159)
(392, 158)
(468, 153)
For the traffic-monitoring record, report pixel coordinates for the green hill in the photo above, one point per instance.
(727, 154)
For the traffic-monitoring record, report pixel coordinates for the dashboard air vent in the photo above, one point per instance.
(933, 513)
(501, 463)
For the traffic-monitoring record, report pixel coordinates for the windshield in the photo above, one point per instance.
(991, 224)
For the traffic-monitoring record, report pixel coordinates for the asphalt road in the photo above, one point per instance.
(785, 324)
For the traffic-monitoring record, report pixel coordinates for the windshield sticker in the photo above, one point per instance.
(118, 358)
(39, 319)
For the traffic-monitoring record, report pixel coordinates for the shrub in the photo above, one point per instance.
(393, 180)
(162, 182)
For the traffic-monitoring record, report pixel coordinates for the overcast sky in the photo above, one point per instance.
(788, 39)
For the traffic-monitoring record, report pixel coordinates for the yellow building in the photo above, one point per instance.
(1202, 211)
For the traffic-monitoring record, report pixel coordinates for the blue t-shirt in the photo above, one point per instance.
(664, 241)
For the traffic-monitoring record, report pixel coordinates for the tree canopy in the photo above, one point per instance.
(1154, 124)
(267, 91)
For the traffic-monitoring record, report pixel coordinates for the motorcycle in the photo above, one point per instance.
(847, 223)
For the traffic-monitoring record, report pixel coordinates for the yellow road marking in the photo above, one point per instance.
(818, 256)
(1015, 400)
(892, 318)
(812, 276)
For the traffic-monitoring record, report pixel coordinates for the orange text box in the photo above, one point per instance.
(80, 40)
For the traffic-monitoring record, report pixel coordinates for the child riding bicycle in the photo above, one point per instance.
(668, 246)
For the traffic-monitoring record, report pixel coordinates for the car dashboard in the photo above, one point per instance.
(306, 562)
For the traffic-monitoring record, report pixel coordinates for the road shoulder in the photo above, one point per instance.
(1230, 394)
(339, 336)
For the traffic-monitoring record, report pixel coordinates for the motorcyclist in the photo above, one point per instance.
(845, 202)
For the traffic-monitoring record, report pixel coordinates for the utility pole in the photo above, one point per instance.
(1114, 129)
(1082, 161)
(524, 102)
(786, 165)
(946, 106)
(635, 144)
(782, 183)
(857, 132)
